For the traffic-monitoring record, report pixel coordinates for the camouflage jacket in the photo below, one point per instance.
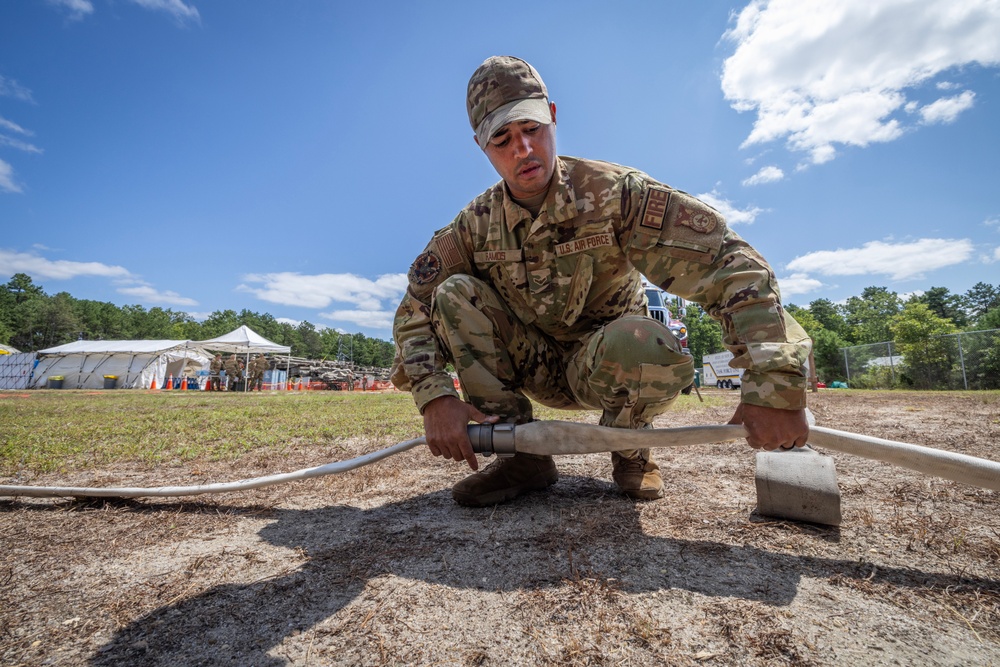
(577, 266)
(232, 367)
(215, 366)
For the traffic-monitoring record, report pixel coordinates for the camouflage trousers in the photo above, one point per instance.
(631, 369)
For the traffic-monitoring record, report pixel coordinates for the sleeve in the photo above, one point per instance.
(420, 364)
(684, 246)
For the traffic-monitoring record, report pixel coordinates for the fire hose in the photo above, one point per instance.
(561, 438)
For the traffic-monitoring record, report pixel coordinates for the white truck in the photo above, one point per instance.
(716, 370)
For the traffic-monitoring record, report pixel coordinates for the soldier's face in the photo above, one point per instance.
(524, 154)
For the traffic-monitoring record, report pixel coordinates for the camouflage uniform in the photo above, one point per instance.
(233, 371)
(213, 372)
(552, 308)
(257, 368)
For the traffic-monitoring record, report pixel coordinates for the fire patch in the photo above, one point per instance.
(654, 209)
(425, 268)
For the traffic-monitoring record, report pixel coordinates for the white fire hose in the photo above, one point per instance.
(558, 437)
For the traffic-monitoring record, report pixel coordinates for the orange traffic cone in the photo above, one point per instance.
(184, 384)
(208, 384)
(289, 385)
(152, 385)
(169, 384)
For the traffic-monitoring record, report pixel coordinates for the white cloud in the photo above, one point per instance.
(319, 291)
(176, 8)
(996, 254)
(7, 183)
(821, 74)
(768, 174)
(77, 8)
(40, 267)
(798, 283)
(288, 320)
(19, 145)
(149, 294)
(947, 109)
(733, 215)
(372, 319)
(11, 88)
(993, 222)
(897, 260)
(13, 127)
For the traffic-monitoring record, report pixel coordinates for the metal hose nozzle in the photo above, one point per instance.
(489, 439)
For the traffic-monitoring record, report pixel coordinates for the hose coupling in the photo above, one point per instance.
(489, 439)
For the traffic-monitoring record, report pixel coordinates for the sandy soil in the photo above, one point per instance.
(379, 567)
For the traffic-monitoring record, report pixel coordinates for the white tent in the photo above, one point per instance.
(83, 364)
(244, 340)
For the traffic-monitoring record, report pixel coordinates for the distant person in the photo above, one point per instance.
(257, 368)
(234, 372)
(213, 373)
(534, 291)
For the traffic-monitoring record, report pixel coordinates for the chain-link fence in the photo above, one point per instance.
(968, 360)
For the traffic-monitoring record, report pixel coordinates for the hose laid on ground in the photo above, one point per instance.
(559, 438)
(221, 487)
(555, 437)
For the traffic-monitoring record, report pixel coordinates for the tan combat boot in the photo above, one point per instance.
(637, 475)
(505, 479)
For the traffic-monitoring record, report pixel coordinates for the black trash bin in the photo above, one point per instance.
(110, 381)
(55, 382)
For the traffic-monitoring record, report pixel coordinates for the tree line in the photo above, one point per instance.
(31, 320)
(877, 316)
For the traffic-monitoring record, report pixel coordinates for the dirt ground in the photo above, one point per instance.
(379, 567)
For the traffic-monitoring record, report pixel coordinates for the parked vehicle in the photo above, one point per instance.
(716, 370)
(660, 303)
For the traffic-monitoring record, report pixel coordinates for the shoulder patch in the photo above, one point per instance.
(425, 268)
(702, 222)
(654, 208)
(448, 247)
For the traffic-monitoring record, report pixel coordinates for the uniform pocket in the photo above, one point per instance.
(579, 288)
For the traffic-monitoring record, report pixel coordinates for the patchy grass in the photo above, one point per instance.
(48, 431)
(71, 430)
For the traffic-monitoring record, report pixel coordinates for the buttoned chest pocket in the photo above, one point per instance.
(579, 288)
(510, 279)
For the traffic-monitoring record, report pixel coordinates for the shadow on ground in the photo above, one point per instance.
(534, 543)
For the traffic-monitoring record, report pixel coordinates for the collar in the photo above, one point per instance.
(560, 202)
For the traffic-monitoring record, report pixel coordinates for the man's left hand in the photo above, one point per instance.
(771, 428)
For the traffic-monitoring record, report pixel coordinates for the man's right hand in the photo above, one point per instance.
(446, 421)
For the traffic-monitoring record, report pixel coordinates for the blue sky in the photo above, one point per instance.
(293, 158)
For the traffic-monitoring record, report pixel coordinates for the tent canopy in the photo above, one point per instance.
(115, 346)
(135, 363)
(242, 340)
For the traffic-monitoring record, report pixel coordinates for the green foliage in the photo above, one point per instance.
(928, 358)
(989, 320)
(704, 333)
(31, 320)
(981, 299)
(868, 316)
(830, 315)
(944, 304)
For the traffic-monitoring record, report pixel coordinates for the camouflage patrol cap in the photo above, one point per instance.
(502, 90)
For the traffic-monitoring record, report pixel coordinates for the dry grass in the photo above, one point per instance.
(378, 567)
